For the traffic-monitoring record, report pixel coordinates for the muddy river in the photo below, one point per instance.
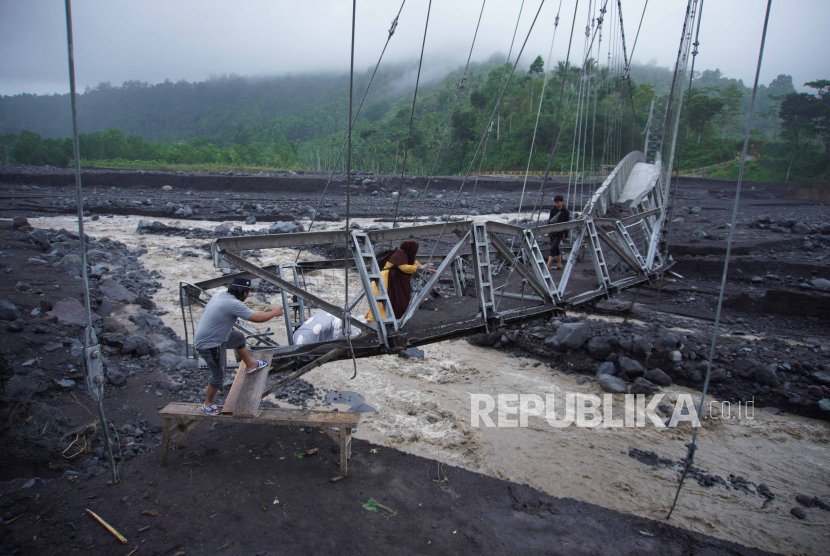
(423, 407)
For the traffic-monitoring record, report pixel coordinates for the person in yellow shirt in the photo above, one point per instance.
(399, 267)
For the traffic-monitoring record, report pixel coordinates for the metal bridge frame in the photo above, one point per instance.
(389, 335)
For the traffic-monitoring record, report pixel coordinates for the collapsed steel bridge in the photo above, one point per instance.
(607, 254)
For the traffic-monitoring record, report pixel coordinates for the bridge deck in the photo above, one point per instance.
(638, 181)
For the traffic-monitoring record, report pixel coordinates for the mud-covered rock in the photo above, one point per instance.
(115, 291)
(657, 376)
(612, 384)
(766, 376)
(600, 347)
(643, 386)
(69, 311)
(136, 344)
(631, 367)
(573, 335)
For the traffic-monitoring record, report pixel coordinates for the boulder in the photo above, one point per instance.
(69, 311)
(170, 361)
(9, 311)
(20, 222)
(250, 220)
(640, 347)
(105, 308)
(573, 334)
(72, 261)
(600, 347)
(657, 376)
(643, 386)
(137, 344)
(40, 238)
(745, 368)
(154, 227)
(821, 283)
(718, 375)
(766, 375)
(184, 211)
(612, 384)
(65, 384)
(222, 230)
(821, 378)
(672, 340)
(607, 368)
(98, 270)
(114, 339)
(115, 291)
(283, 228)
(802, 229)
(631, 367)
(412, 353)
(146, 320)
(168, 346)
(116, 377)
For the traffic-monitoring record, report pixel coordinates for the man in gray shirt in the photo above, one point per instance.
(215, 333)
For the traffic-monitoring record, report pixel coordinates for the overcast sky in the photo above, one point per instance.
(154, 40)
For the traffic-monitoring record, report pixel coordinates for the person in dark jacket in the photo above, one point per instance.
(558, 215)
(399, 267)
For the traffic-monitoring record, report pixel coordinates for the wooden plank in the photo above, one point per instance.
(233, 394)
(246, 392)
(290, 417)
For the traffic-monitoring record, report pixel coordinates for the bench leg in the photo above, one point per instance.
(345, 450)
(183, 429)
(165, 441)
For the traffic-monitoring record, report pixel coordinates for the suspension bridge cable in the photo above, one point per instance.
(411, 116)
(562, 127)
(594, 123)
(581, 81)
(538, 114)
(567, 111)
(346, 316)
(589, 67)
(487, 127)
(391, 32)
(559, 107)
(678, 107)
(90, 338)
(627, 67)
(672, 195)
(349, 165)
(692, 446)
(449, 118)
(488, 131)
(637, 36)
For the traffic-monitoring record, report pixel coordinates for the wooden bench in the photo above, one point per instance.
(338, 425)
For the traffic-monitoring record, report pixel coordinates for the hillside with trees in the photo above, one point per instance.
(299, 121)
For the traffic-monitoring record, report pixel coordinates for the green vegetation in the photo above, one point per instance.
(299, 122)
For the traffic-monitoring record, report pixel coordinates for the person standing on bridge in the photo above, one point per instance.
(215, 333)
(398, 266)
(558, 215)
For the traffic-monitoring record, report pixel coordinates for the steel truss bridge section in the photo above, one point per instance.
(624, 252)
